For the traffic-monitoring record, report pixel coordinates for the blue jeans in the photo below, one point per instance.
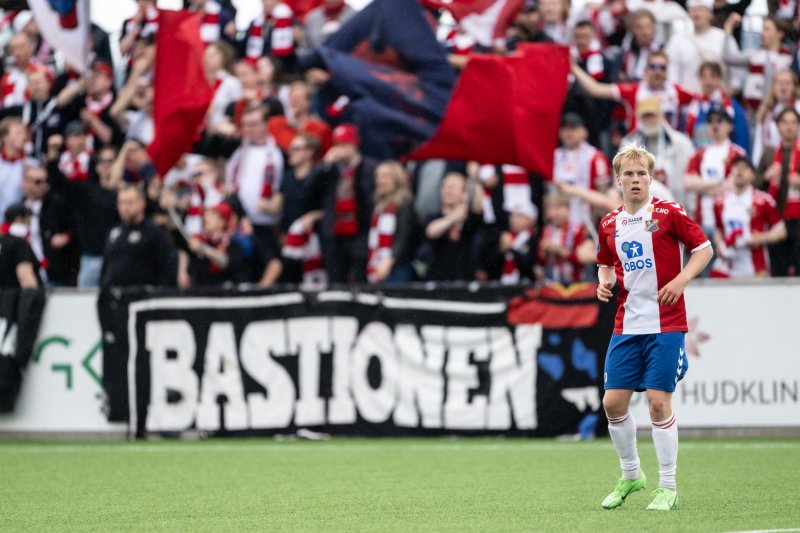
(90, 271)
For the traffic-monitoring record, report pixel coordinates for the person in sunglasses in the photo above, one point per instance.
(672, 97)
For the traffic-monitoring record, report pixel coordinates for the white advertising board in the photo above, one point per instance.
(61, 387)
(744, 357)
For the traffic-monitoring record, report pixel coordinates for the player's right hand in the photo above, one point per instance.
(604, 292)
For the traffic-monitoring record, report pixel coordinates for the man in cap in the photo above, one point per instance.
(346, 182)
(576, 162)
(710, 166)
(671, 148)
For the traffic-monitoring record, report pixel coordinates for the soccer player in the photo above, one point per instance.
(640, 247)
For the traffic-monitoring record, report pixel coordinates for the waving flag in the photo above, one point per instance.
(64, 24)
(182, 94)
(485, 20)
(387, 61)
(505, 110)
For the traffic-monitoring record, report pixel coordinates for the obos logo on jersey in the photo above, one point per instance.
(634, 250)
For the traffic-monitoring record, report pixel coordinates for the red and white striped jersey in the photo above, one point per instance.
(712, 163)
(585, 167)
(644, 249)
(672, 98)
(737, 217)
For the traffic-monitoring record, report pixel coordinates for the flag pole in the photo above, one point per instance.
(88, 12)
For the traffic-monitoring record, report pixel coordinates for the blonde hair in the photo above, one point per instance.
(402, 191)
(633, 153)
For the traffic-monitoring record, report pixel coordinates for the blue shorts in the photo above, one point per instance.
(640, 362)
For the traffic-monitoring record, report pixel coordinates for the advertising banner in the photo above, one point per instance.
(404, 362)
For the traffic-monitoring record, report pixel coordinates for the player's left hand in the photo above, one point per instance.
(671, 292)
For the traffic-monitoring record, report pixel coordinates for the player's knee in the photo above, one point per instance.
(614, 407)
(660, 409)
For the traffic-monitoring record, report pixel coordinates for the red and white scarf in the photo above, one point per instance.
(304, 246)
(269, 169)
(11, 158)
(511, 274)
(381, 238)
(203, 195)
(459, 43)
(281, 35)
(516, 185)
(75, 168)
(345, 210)
(210, 30)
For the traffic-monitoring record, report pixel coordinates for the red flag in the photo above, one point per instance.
(485, 20)
(182, 94)
(505, 110)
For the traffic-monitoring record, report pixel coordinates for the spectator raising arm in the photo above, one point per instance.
(594, 88)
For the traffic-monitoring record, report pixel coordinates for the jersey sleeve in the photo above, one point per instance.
(773, 189)
(769, 210)
(600, 171)
(694, 163)
(627, 92)
(687, 230)
(605, 257)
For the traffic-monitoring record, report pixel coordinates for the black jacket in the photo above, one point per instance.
(94, 209)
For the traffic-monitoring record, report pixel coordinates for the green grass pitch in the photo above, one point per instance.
(388, 485)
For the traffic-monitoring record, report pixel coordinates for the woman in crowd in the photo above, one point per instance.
(393, 225)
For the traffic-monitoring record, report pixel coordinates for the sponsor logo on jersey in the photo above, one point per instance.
(632, 221)
(609, 221)
(634, 251)
(661, 210)
(651, 225)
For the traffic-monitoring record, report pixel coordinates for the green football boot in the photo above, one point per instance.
(663, 500)
(623, 489)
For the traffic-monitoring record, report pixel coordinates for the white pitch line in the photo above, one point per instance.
(305, 446)
(767, 531)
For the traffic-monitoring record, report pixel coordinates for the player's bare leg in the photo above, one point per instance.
(622, 429)
(665, 438)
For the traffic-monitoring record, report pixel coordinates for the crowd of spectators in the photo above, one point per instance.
(279, 190)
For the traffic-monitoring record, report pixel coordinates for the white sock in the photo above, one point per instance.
(665, 437)
(623, 434)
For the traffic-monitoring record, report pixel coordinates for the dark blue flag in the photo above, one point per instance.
(387, 60)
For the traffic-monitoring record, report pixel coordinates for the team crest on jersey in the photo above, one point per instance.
(651, 225)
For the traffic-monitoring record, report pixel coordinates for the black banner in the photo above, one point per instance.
(397, 362)
(20, 316)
